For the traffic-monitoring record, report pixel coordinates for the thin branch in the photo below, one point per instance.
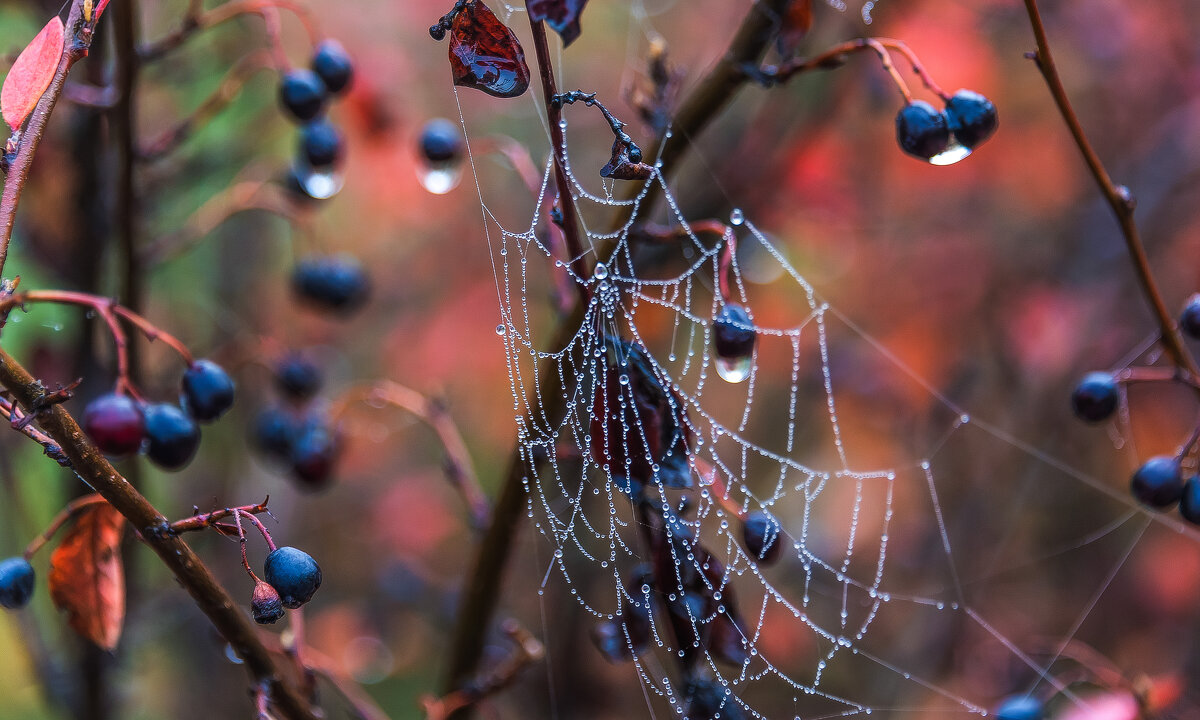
(1118, 196)
(195, 22)
(209, 519)
(191, 572)
(66, 515)
(17, 420)
(527, 650)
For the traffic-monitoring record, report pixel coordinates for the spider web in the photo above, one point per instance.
(787, 453)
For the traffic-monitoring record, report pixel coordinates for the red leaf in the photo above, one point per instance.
(87, 579)
(562, 15)
(797, 21)
(485, 54)
(31, 74)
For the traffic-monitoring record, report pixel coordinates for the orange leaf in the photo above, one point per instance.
(87, 579)
(31, 74)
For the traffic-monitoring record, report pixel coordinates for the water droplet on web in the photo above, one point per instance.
(736, 216)
(499, 329)
(601, 271)
(231, 655)
(563, 123)
(624, 379)
(439, 180)
(734, 370)
(954, 152)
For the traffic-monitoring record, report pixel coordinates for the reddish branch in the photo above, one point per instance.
(836, 56)
(527, 650)
(66, 515)
(196, 21)
(23, 424)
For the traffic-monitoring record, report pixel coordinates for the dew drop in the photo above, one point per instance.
(318, 185)
(953, 153)
(439, 179)
(734, 370)
(736, 216)
(601, 271)
(499, 329)
(624, 379)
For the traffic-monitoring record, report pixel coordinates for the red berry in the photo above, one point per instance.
(115, 424)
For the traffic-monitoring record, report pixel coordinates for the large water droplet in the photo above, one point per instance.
(600, 272)
(734, 370)
(317, 184)
(736, 216)
(439, 179)
(953, 153)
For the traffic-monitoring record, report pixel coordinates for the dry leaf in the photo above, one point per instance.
(87, 579)
(31, 74)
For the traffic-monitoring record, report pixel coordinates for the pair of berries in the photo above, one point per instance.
(291, 579)
(335, 283)
(950, 135)
(1159, 483)
(304, 94)
(167, 433)
(298, 436)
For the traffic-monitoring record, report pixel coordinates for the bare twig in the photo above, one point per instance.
(18, 421)
(66, 515)
(527, 651)
(195, 22)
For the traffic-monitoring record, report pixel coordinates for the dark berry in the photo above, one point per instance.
(265, 604)
(333, 282)
(1095, 397)
(971, 117)
(172, 436)
(733, 333)
(1189, 504)
(763, 537)
(302, 94)
(115, 424)
(294, 574)
(1158, 482)
(1189, 319)
(207, 390)
(297, 377)
(921, 130)
(1020, 707)
(441, 142)
(331, 63)
(321, 144)
(314, 454)
(16, 582)
(274, 431)
(708, 699)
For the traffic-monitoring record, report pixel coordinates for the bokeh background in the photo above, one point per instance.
(999, 280)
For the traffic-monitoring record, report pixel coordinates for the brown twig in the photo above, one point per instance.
(459, 468)
(177, 555)
(195, 22)
(527, 651)
(19, 422)
(209, 519)
(1119, 198)
(66, 515)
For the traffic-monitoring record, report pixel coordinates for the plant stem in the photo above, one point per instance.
(211, 598)
(1119, 198)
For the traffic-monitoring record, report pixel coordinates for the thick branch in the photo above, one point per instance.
(225, 614)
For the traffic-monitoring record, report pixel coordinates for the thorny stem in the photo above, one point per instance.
(196, 21)
(237, 521)
(1118, 197)
(75, 48)
(209, 519)
(19, 422)
(195, 577)
(66, 515)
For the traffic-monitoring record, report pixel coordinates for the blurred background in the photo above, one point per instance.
(999, 281)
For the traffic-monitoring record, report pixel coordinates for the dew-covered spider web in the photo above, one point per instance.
(647, 451)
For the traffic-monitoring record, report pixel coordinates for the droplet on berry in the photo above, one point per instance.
(331, 282)
(1095, 397)
(1189, 319)
(313, 455)
(172, 436)
(763, 537)
(115, 424)
(207, 390)
(294, 574)
(307, 184)
(1189, 504)
(297, 377)
(332, 64)
(1158, 482)
(302, 94)
(971, 117)
(921, 130)
(1020, 707)
(265, 604)
(321, 144)
(733, 341)
(440, 156)
(16, 582)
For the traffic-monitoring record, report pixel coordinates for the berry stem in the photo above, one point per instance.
(1119, 198)
(261, 528)
(64, 516)
(195, 22)
(1157, 374)
(834, 57)
(237, 520)
(209, 519)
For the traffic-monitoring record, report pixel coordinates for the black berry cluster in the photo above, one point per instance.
(167, 433)
(949, 135)
(305, 95)
(296, 432)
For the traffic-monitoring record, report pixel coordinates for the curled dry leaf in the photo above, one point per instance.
(561, 15)
(31, 74)
(87, 579)
(485, 54)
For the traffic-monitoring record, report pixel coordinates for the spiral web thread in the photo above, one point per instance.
(831, 589)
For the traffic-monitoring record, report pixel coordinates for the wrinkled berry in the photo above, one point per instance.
(172, 436)
(921, 130)
(334, 282)
(16, 582)
(207, 390)
(313, 455)
(321, 144)
(733, 332)
(763, 537)
(274, 431)
(331, 63)
(115, 424)
(302, 93)
(1158, 482)
(265, 604)
(294, 574)
(1189, 504)
(441, 142)
(971, 117)
(297, 377)
(1095, 397)
(1189, 319)
(1020, 707)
